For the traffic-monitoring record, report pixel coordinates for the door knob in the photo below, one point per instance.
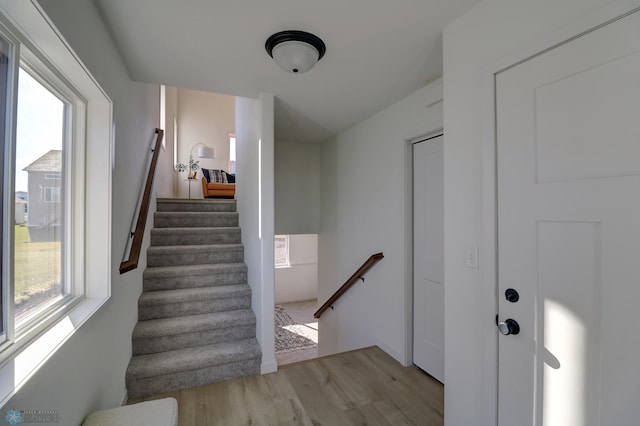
(509, 326)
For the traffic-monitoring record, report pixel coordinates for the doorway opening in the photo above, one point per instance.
(296, 285)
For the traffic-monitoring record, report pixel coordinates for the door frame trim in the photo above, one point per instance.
(489, 261)
(408, 160)
(432, 126)
(410, 143)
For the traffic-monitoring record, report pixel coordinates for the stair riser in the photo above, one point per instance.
(194, 281)
(190, 340)
(194, 257)
(183, 237)
(197, 207)
(143, 387)
(178, 221)
(170, 310)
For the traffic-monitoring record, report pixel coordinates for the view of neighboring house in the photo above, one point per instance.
(45, 204)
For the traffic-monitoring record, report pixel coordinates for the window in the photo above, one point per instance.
(232, 153)
(52, 195)
(163, 114)
(281, 251)
(38, 259)
(55, 126)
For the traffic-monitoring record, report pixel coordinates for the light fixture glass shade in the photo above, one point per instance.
(206, 152)
(295, 57)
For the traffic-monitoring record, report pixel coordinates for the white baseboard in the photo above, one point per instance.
(269, 367)
(393, 353)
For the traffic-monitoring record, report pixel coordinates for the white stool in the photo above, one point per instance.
(160, 412)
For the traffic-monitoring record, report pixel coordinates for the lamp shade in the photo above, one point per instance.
(295, 51)
(206, 152)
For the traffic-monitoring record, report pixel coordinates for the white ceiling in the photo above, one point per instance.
(378, 51)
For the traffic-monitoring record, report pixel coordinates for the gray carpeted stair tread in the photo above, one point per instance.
(152, 345)
(193, 323)
(181, 270)
(196, 214)
(150, 365)
(184, 295)
(194, 219)
(191, 276)
(196, 230)
(192, 378)
(194, 235)
(195, 254)
(172, 205)
(224, 248)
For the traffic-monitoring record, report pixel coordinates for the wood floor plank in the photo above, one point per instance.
(363, 387)
(354, 378)
(368, 414)
(317, 392)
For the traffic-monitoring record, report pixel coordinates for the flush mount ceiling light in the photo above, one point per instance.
(295, 51)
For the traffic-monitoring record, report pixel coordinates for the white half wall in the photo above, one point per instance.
(87, 372)
(207, 118)
(297, 180)
(299, 280)
(366, 209)
(474, 45)
(255, 197)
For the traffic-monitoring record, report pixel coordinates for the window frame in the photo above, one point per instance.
(20, 332)
(72, 191)
(9, 107)
(25, 25)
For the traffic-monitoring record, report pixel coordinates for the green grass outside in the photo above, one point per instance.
(37, 270)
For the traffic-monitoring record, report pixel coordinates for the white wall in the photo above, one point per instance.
(366, 208)
(297, 183)
(87, 372)
(473, 46)
(206, 118)
(255, 195)
(299, 280)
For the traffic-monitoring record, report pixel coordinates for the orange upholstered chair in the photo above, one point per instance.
(213, 189)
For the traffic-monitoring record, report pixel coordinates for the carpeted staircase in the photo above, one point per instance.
(195, 323)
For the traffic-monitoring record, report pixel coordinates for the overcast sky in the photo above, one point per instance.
(39, 129)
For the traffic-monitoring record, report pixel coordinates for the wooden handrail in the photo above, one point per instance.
(138, 234)
(355, 277)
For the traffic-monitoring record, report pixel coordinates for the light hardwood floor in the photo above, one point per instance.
(363, 387)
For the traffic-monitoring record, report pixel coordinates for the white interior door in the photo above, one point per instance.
(428, 261)
(568, 147)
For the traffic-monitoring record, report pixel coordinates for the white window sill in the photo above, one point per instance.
(15, 372)
(282, 266)
(293, 265)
